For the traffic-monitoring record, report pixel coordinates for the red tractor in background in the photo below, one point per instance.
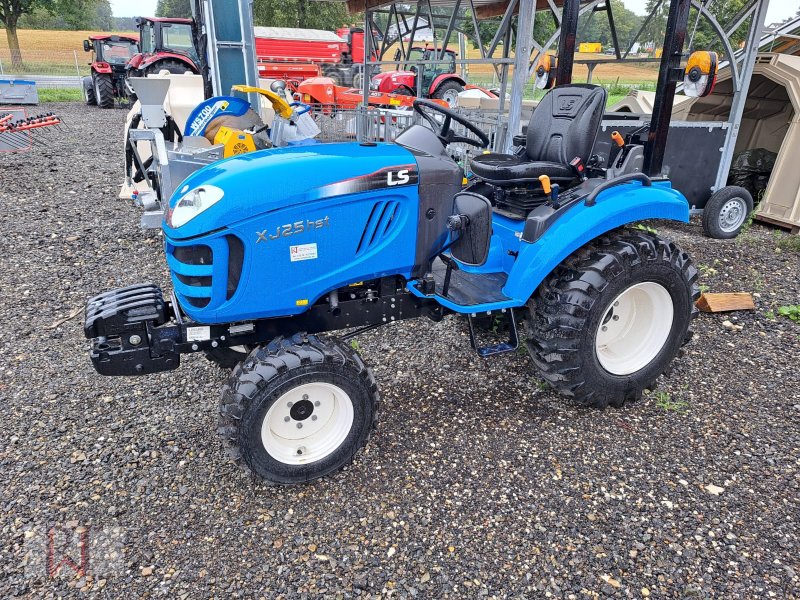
(294, 54)
(110, 56)
(439, 80)
(165, 44)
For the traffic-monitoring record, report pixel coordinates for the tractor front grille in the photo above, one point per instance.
(205, 275)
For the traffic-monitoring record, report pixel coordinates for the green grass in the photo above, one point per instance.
(60, 95)
(792, 311)
(789, 242)
(664, 401)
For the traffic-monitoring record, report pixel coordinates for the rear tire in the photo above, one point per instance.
(298, 409)
(449, 91)
(586, 350)
(104, 91)
(726, 212)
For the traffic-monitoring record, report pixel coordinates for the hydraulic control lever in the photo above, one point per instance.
(550, 189)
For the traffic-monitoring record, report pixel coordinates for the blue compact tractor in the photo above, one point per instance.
(271, 249)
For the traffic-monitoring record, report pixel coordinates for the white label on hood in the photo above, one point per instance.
(303, 252)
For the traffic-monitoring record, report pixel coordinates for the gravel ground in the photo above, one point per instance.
(479, 482)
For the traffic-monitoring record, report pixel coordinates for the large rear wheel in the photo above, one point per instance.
(104, 91)
(298, 409)
(609, 320)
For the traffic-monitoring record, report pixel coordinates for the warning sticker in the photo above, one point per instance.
(303, 252)
(198, 334)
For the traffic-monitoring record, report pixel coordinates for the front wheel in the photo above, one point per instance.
(298, 409)
(449, 92)
(726, 212)
(88, 92)
(609, 320)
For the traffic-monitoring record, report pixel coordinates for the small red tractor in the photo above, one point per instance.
(439, 80)
(166, 44)
(110, 56)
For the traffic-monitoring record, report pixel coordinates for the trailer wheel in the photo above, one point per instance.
(104, 91)
(449, 91)
(227, 358)
(726, 212)
(298, 409)
(608, 320)
(88, 91)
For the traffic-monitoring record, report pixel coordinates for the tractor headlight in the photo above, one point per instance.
(192, 203)
(374, 83)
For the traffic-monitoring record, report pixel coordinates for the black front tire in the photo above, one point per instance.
(104, 91)
(449, 91)
(726, 212)
(266, 376)
(571, 306)
(88, 92)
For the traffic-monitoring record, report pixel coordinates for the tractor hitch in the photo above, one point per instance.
(124, 326)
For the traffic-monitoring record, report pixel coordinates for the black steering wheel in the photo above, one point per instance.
(425, 107)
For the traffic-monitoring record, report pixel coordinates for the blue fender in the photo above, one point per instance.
(581, 224)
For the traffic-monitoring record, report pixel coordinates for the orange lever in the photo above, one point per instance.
(545, 181)
(617, 139)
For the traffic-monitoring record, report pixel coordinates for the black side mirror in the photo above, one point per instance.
(397, 54)
(471, 228)
(87, 46)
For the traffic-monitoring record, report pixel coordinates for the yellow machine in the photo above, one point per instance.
(240, 141)
(234, 141)
(590, 47)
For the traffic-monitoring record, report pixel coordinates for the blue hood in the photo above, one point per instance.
(268, 180)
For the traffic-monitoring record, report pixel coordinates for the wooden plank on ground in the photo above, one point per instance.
(715, 303)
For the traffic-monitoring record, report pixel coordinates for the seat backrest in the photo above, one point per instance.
(565, 124)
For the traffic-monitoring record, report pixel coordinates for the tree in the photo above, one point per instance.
(174, 8)
(10, 12)
(104, 16)
(309, 14)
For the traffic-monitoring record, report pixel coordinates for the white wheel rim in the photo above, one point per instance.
(451, 97)
(732, 214)
(635, 327)
(324, 413)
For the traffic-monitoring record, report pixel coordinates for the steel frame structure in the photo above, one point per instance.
(442, 18)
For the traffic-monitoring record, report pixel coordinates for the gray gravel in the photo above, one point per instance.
(480, 482)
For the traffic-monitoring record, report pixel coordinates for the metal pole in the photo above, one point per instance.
(77, 68)
(1, 67)
(462, 52)
(614, 39)
(740, 95)
(566, 43)
(669, 73)
(361, 119)
(522, 54)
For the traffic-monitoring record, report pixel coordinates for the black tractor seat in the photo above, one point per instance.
(563, 127)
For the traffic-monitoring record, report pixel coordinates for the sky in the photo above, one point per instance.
(778, 10)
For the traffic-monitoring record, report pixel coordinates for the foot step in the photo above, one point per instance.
(510, 346)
